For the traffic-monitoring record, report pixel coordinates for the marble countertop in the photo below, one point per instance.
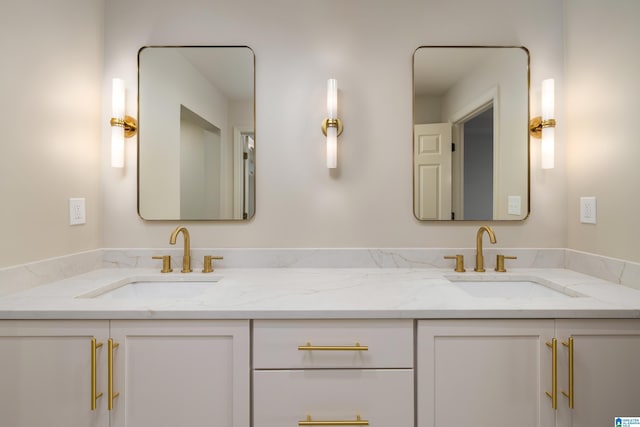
(320, 293)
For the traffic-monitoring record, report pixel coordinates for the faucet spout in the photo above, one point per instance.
(479, 254)
(186, 256)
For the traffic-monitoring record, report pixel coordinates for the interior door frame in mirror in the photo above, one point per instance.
(487, 92)
(160, 197)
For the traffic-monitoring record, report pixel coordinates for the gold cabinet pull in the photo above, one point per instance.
(554, 373)
(357, 422)
(112, 345)
(356, 347)
(569, 395)
(94, 395)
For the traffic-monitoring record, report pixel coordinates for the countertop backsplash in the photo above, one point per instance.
(25, 276)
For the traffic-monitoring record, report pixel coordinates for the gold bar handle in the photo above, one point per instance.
(112, 395)
(356, 347)
(554, 373)
(357, 422)
(569, 395)
(94, 395)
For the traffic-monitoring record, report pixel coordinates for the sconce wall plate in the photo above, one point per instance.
(536, 124)
(129, 124)
(326, 123)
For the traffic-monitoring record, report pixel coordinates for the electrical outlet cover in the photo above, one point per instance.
(77, 211)
(588, 210)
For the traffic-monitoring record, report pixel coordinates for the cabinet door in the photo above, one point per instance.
(484, 373)
(181, 373)
(606, 371)
(379, 397)
(46, 370)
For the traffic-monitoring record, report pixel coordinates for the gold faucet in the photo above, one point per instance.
(186, 257)
(479, 255)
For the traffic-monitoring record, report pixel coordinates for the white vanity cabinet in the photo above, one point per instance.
(605, 371)
(185, 373)
(340, 372)
(484, 373)
(162, 373)
(493, 372)
(46, 373)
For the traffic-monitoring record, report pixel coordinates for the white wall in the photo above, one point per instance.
(174, 83)
(603, 87)
(50, 146)
(493, 79)
(367, 202)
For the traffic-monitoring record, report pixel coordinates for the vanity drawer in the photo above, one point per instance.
(299, 344)
(381, 397)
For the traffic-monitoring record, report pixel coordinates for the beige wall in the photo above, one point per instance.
(367, 202)
(53, 75)
(50, 87)
(603, 88)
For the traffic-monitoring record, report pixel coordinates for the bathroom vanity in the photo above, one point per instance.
(279, 347)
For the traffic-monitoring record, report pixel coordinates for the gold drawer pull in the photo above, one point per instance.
(112, 345)
(569, 395)
(553, 345)
(356, 422)
(94, 394)
(356, 347)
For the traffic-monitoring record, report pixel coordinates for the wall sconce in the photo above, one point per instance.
(332, 125)
(122, 126)
(544, 126)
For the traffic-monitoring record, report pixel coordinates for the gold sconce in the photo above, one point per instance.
(332, 125)
(122, 126)
(544, 126)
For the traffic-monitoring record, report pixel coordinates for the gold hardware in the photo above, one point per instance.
(208, 263)
(94, 395)
(553, 345)
(479, 255)
(459, 262)
(332, 123)
(569, 395)
(166, 263)
(500, 263)
(186, 256)
(356, 347)
(129, 124)
(112, 345)
(536, 124)
(357, 422)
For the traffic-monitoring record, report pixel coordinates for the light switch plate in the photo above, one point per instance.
(588, 210)
(514, 205)
(77, 211)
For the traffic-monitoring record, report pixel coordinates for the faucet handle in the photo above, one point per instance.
(208, 263)
(459, 262)
(500, 263)
(166, 263)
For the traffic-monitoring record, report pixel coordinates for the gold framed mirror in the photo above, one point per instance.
(196, 138)
(470, 133)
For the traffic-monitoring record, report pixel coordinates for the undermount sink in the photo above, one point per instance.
(525, 287)
(155, 287)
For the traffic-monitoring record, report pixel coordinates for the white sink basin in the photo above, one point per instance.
(146, 288)
(512, 288)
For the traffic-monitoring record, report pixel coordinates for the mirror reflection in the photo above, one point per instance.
(196, 140)
(471, 142)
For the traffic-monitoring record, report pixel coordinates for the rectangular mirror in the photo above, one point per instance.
(196, 134)
(470, 136)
